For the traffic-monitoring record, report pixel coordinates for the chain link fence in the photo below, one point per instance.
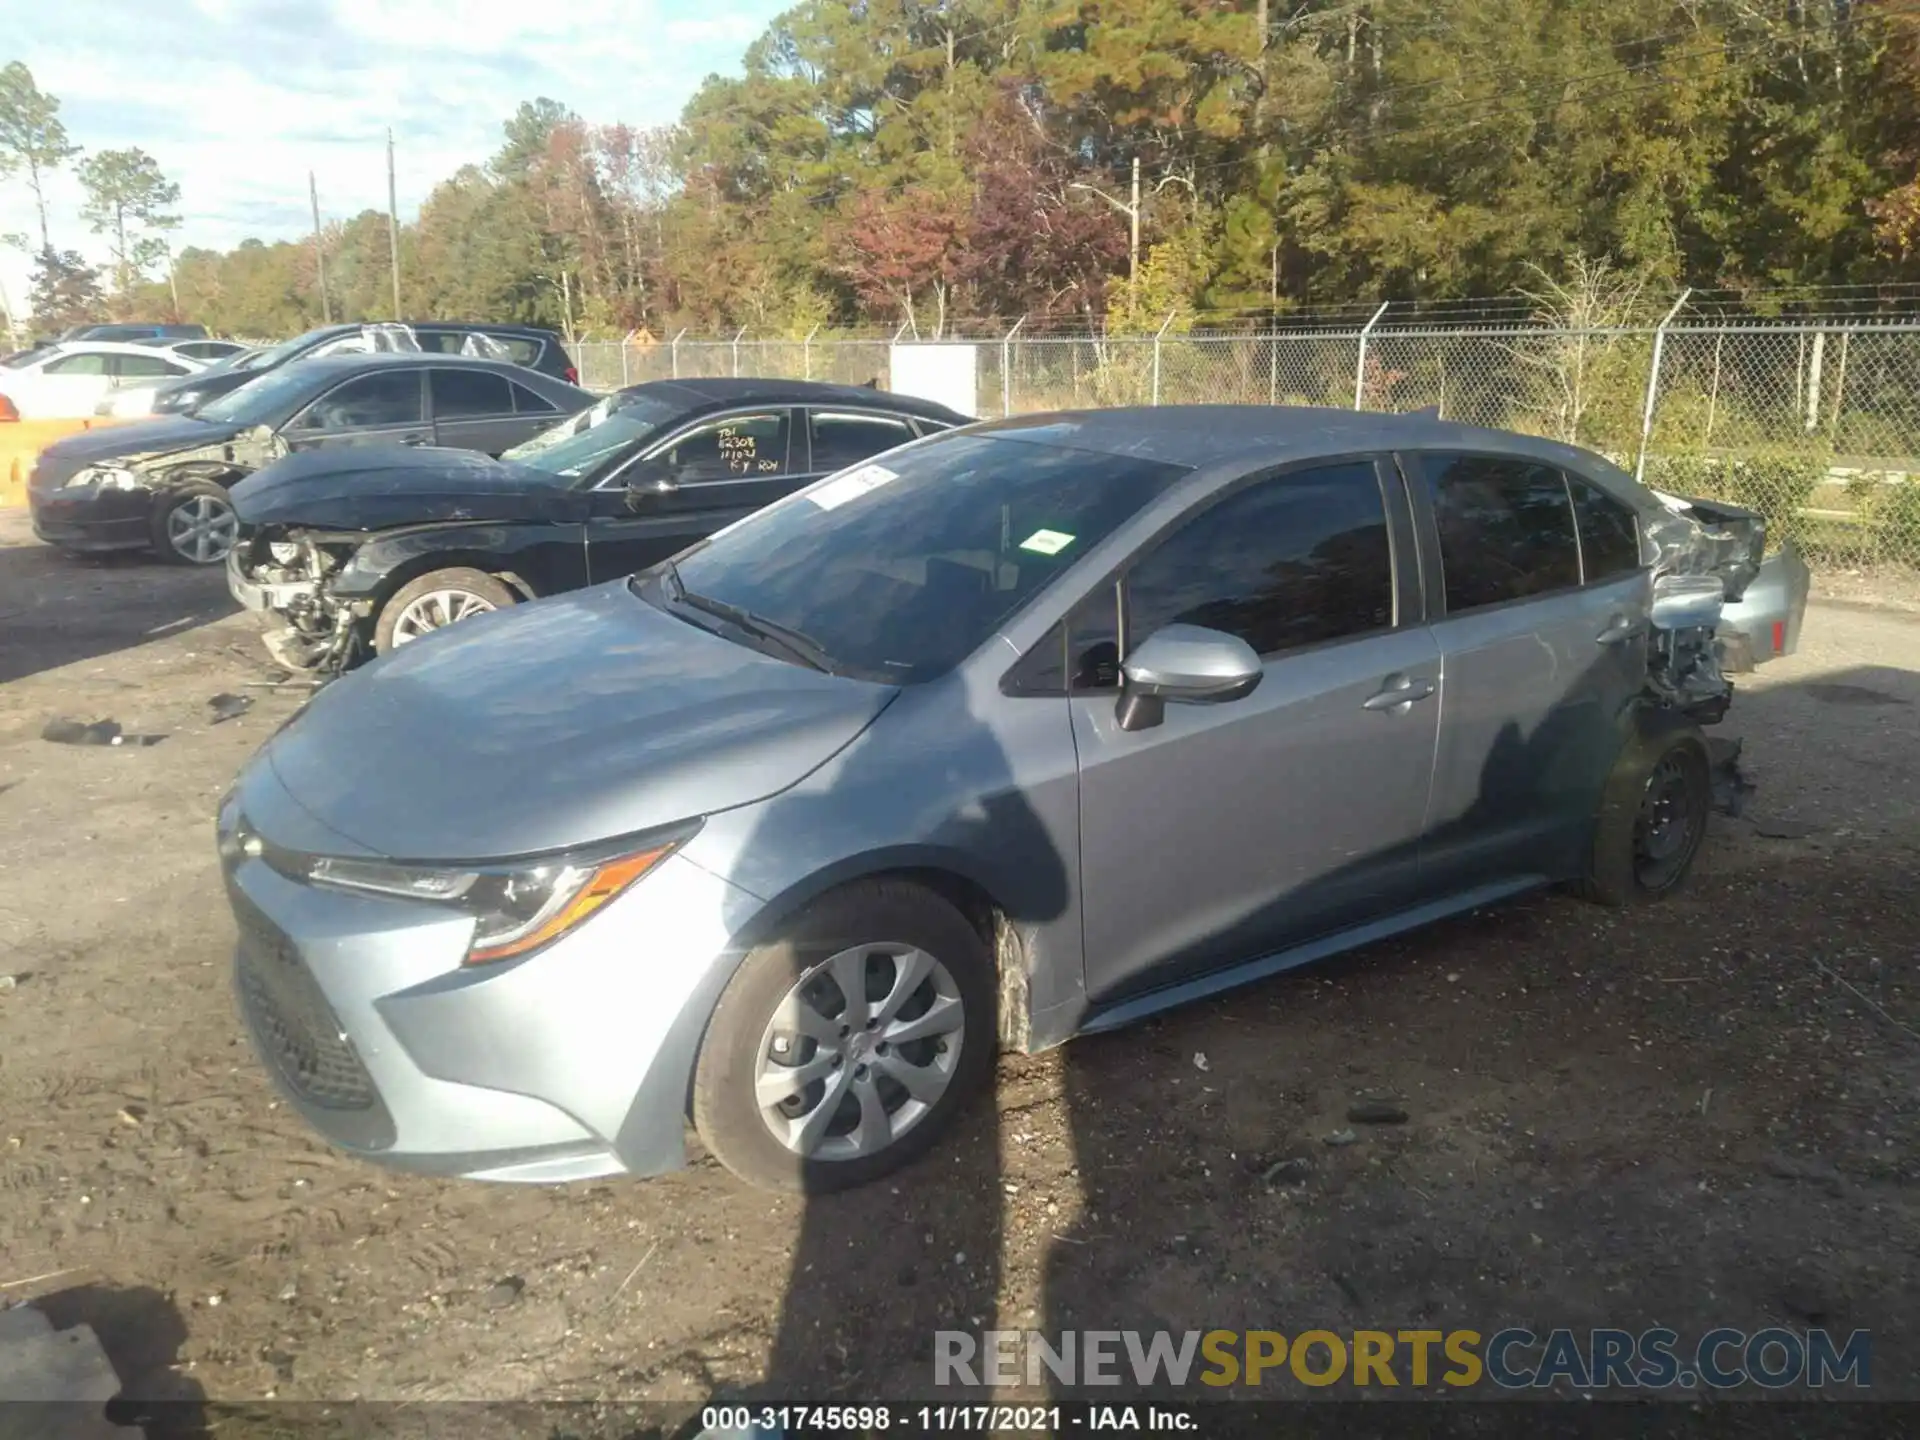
(1817, 427)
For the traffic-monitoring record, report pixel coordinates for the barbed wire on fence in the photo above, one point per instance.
(1815, 424)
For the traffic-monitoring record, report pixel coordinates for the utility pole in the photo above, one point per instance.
(173, 284)
(1132, 212)
(1133, 217)
(393, 228)
(319, 253)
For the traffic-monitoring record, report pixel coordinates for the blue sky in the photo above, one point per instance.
(238, 99)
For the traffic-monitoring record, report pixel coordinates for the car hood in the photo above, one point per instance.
(379, 487)
(161, 435)
(559, 723)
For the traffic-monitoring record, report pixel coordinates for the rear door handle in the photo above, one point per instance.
(413, 439)
(1619, 630)
(1397, 693)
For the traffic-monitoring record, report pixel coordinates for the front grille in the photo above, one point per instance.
(297, 1030)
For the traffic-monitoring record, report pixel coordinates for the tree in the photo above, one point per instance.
(31, 136)
(126, 194)
(64, 290)
(906, 248)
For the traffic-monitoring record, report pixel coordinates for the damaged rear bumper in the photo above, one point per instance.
(1764, 623)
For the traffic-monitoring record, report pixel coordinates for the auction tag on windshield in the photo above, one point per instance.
(851, 486)
(1046, 542)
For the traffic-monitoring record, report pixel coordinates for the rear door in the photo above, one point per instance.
(387, 406)
(704, 476)
(67, 387)
(1230, 832)
(473, 409)
(1545, 651)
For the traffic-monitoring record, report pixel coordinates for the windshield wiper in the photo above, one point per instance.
(798, 644)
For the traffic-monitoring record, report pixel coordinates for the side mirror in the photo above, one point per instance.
(649, 482)
(1188, 664)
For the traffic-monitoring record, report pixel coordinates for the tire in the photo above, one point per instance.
(467, 592)
(859, 930)
(1652, 820)
(194, 524)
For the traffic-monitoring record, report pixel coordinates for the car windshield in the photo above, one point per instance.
(581, 446)
(263, 400)
(896, 572)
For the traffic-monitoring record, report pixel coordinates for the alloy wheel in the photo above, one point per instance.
(202, 529)
(435, 609)
(859, 1050)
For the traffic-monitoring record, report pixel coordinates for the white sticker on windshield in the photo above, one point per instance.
(1046, 542)
(851, 486)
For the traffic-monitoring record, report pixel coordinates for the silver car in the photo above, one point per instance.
(1032, 728)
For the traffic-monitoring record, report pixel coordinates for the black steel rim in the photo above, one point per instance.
(1671, 822)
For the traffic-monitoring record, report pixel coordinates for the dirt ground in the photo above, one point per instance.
(1701, 1114)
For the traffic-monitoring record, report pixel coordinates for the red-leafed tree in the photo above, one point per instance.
(1037, 246)
(906, 252)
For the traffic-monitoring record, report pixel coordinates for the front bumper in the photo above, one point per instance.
(573, 1063)
(91, 519)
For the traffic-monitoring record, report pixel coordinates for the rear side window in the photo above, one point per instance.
(1609, 533)
(843, 440)
(526, 402)
(1298, 560)
(463, 394)
(1506, 529)
(145, 366)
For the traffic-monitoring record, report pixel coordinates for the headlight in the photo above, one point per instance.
(103, 477)
(516, 908)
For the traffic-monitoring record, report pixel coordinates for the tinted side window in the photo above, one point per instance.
(1297, 560)
(144, 365)
(391, 397)
(462, 393)
(526, 402)
(1506, 528)
(1609, 533)
(88, 363)
(740, 447)
(843, 440)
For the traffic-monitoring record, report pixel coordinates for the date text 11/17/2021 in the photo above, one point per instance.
(910, 1419)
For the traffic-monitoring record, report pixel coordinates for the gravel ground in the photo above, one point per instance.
(1700, 1114)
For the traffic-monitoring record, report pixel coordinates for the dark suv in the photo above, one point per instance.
(135, 332)
(526, 345)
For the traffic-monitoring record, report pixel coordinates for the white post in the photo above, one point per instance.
(806, 352)
(1813, 380)
(1006, 368)
(736, 350)
(626, 374)
(1653, 385)
(1360, 364)
(1156, 353)
(901, 331)
(674, 346)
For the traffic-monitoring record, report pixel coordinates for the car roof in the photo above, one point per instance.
(747, 389)
(364, 359)
(1202, 435)
(530, 332)
(104, 347)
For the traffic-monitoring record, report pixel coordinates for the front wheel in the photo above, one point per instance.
(846, 1047)
(1653, 819)
(435, 600)
(194, 524)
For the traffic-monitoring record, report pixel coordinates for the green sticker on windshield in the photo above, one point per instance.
(1046, 542)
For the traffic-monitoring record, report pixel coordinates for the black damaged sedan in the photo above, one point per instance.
(163, 484)
(347, 553)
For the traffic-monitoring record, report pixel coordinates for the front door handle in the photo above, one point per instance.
(1620, 629)
(1397, 694)
(413, 439)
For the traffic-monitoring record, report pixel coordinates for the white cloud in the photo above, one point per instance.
(238, 99)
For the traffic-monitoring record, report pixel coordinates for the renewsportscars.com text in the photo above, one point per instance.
(1513, 1358)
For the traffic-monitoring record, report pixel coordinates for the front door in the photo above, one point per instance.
(707, 476)
(1232, 831)
(1544, 658)
(381, 407)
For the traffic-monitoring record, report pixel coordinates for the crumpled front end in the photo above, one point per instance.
(1705, 555)
(283, 575)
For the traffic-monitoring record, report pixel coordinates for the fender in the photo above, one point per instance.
(542, 558)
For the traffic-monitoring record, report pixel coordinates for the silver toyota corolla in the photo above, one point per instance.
(1024, 730)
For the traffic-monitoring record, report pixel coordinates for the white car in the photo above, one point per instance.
(69, 382)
